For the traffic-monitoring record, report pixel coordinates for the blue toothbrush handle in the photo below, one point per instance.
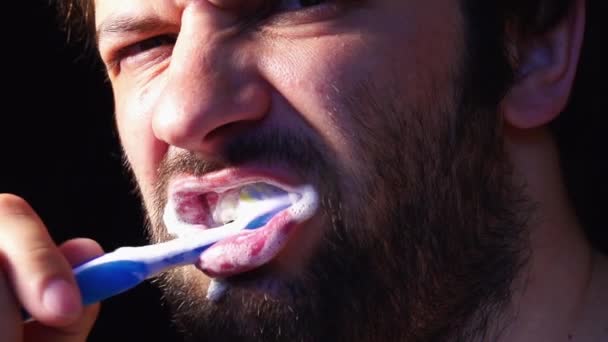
(114, 273)
(105, 280)
(102, 281)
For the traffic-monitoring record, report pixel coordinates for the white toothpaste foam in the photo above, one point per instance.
(216, 290)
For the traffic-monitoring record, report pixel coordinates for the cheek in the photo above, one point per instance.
(346, 85)
(312, 78)
(332, 82)
(143, 151)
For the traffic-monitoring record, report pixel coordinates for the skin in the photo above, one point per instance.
(180, 97)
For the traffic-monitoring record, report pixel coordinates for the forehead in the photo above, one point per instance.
(108, 8)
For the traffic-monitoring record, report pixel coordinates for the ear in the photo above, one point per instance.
(545, 72)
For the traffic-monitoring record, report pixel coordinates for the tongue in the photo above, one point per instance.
(249, 250)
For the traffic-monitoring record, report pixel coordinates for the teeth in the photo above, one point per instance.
(226, 208)
(234, 201)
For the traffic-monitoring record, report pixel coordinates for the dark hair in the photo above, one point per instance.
(490, 25)
(77, 19)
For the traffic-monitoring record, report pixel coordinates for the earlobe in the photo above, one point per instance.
(545, 72)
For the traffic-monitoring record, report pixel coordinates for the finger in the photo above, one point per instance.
(75, 332)
(40, 276)
(10, 319)
(77, 251)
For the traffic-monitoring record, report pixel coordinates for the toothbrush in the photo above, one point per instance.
(126, 267)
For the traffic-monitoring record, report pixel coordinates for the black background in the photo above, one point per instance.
(61, 153)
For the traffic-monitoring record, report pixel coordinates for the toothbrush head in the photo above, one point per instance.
(263, 199)
(259, 191)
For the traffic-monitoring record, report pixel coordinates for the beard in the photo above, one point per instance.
(424, 236)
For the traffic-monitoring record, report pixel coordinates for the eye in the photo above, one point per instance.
(290, 5)
(295, 12)
(297, 4)
(149, 44)
(143, 52)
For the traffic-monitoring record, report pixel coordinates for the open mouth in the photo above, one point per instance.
(191, 209)
(194, 206)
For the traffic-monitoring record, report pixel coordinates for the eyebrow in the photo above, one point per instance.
(121, 24)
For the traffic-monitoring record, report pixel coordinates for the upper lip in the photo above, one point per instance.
(184, 190)
(231, 178)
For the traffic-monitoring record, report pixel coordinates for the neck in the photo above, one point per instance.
(558, 295)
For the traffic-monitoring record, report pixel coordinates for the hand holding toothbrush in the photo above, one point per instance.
(53, 293)
(36, 273)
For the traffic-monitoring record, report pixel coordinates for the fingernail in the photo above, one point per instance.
(61, 298)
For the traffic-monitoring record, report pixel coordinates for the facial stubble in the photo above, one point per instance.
(422, 242)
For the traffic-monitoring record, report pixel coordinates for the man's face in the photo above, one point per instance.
(366, 101)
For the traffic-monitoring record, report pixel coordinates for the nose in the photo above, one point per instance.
(212, 90)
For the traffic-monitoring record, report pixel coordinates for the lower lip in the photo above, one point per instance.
(249, 250)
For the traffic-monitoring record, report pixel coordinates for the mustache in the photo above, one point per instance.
(299, 152)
